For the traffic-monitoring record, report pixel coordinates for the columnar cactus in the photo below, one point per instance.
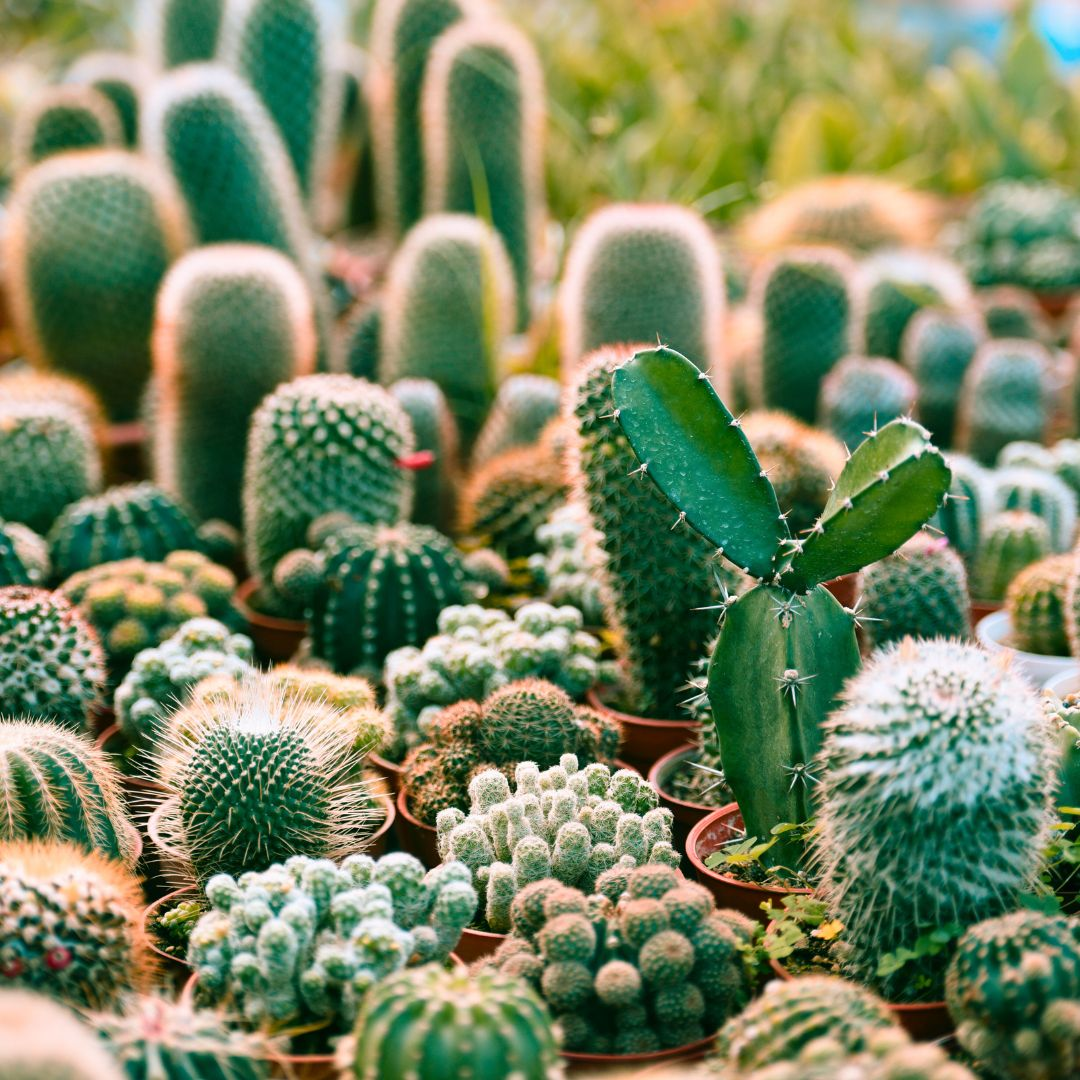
(920, 590)
(233, 322)
(1020, 487)
(122, 78)
(967, 504)
(72, 924)
(1013, 989)
(89, 237)
(788, 633)
(808, 315)
(862, 393)
(1004, 398)
(61, 118)
(936, 742)
(177, 32)
(320, 444)
(524, 405)
(303, 942)
(449, 1025)
(1010, 312)
(1036, 602)
(1014, 539)
(51, 664)
(482, 112)
(565, 823)
(361, 333)
(446, 309)
(643, 273)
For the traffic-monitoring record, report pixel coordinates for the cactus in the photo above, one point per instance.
(121, 78)
(1004, 398)
(1013, 989)
(233, 321)
(133, 520)
(807, 313)
(562, 822)
(643, 273)
(938, 345)
(18, 565)
(72, 924)
(482, 112)
(51, 665)
(656, 971)
(258, 777)
(862, 393)
(1020, 487)
(89, 237)
(1036, 602)
(936, 742)
(526, 720)
(524, 405)
(568, 569)
(435, 432)
(322, 443)
(1012, 313)
(135, 605)
(920, 590)
(361, 334)
(968, 500)
(788, 633)
(62, 118)
(55, 786)
(446, 309)
(161, 678)
(299, 945)
(447, 1025)
(1014, 539)
(660, 578)
(177, 32)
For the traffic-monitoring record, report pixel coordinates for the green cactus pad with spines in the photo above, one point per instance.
(968, 501)
(1004, 398)
(1014, 539)
(524, 405)
(319, 444)
(51, 664)
(863, 393)
(122, 78)
(382, 588)
(1039, 492)
(62, 118)
(55, 786)
(233, 322)
(806, 306)
(180, 32)
(920, 590)
(482, 112)
(936, 742)
(89, 237)
(1037, 605)
(447, 307)
(447, 1025)
(643, 273)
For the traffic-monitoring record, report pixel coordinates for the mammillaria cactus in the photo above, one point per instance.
(1013, 989)
(524, 405)
(449, 1025)
(1014, 539)
(807, 312)
(302, 942)
(920, 590)
(788, 632)
(1003, 398)
(563, 822)
(482, 111)
(862, 393)
(89, 237)
(51, 664)
(647, 965)
(1036, 602)
(643, 273)
(73, 926)
(122, 78)
(61, 118)
(1019, 487)
(160, 678)
(447, 306)
(949, 734)
(527, 720)
(179, 32)
(233, 322)
(567, 570)
(319, 444)
(134, 604)
(969, 500)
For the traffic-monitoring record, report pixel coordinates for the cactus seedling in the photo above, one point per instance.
(786, 646)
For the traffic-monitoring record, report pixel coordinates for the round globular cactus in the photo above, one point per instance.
(1040, 492)
(936, 742)
(920, 590)
(62, 118)
(176, 32)
(862, 394)
(51, 664)
(1036, 601)
(524, 405)
(1014, 539)
(1013, 989)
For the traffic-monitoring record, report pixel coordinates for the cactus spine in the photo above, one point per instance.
(177, 32)
(61, 118)
(862, 393)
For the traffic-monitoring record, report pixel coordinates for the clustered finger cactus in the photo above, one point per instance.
(564, 822)
(302, 942)
(647, 964)
(1036, 602)
(862, 393)
(1014, 539)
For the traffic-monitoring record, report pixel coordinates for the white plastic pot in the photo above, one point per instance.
(994, 633)
(1068, 682)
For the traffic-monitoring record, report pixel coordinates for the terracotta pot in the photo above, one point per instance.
(646, 741)
(414, 836)
(275, 639)
(687, 814)
(1054, 302)
(843, 588)
(981, 608)
(476, 944)
(173, 966)
(706, 837)
(377, 843)
(618, 1063)
(390, 771)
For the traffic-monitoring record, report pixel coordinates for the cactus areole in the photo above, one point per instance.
(786, 646)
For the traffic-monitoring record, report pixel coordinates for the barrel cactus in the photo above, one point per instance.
(1014, 539)
(1036, 602)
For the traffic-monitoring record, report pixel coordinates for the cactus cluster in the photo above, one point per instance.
(303, 941)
